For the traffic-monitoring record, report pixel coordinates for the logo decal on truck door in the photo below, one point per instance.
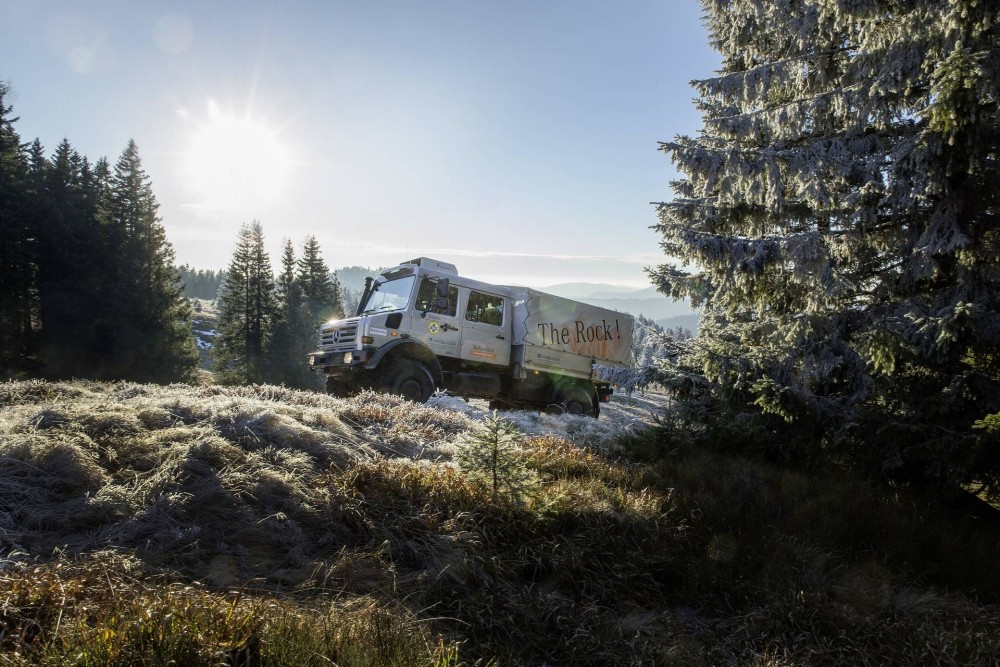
(483, 352)
(433, 327)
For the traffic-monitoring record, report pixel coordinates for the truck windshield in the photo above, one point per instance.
(390, 295)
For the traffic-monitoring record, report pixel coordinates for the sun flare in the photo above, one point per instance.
(236, 163)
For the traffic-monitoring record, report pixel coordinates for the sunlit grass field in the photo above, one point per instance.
(149, 525)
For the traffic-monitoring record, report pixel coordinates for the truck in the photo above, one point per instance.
(420, 328)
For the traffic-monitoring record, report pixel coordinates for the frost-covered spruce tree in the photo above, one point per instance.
(837, 223)
(653, 348)
(493, 451)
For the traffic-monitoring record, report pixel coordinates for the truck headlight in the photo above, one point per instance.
(312, 360)
(348, 357)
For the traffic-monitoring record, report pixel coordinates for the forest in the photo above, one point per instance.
(90, 290)
(200, 283)
(87, 282)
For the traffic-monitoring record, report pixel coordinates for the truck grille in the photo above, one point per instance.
(341, 337)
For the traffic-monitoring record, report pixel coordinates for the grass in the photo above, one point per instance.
(93, 612)
(257, 526)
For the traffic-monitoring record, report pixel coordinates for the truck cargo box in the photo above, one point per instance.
(558, 333)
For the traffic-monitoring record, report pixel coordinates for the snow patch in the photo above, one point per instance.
(623, 415)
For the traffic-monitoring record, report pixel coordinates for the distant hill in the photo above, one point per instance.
(352, 282)
(578, 290)
(689, 322)
(655, 308)
(353, 277)
(645, 301)
(644, 293)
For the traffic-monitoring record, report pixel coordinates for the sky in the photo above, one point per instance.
(515, 139)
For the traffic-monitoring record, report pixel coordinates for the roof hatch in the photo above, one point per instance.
(433, 264)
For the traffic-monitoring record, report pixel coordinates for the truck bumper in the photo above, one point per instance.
(331, 362)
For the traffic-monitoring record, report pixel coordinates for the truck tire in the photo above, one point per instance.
(578, 402)
(409, 379)
(497, 404)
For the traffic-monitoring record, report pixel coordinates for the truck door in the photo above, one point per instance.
(486, 328)
(437, 327)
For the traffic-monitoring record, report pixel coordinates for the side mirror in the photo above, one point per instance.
(441, 304)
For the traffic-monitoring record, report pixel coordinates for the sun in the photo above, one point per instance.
(236, 163)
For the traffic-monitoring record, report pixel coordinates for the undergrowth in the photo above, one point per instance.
(95, 612)
(265, 526)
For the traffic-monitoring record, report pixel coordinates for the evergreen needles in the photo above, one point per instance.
(493, 450)
(837, 224)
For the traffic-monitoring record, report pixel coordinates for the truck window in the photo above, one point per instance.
(427, 297)
(390, 295)
(484, 308)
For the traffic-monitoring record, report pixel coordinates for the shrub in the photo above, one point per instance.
(493, 450)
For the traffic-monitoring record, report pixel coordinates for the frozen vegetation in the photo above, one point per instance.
(175, 471)
(623, 416)
(260, 525)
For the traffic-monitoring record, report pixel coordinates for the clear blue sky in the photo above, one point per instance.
(516, 139)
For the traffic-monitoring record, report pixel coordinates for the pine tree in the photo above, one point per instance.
(294, 334)
(837, 224)
(145, 320)
(17, 299)
(38, 165)
(320, 293)
(67, 252)
(493, 451)
(99, 187)
(248, 310)
(653, 349)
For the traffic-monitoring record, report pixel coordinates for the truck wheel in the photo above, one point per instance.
(410, 380)
(497, 404)
(578, 402)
